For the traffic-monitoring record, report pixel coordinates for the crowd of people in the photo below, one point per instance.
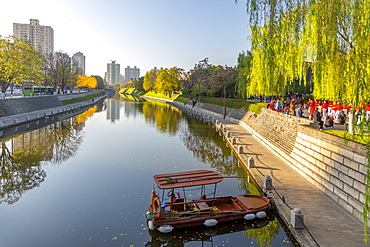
(325, 112)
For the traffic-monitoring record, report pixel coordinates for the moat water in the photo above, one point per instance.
(86, 179)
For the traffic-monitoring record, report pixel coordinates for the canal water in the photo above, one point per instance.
(85, 179)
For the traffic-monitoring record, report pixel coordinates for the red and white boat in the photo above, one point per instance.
(181, 213)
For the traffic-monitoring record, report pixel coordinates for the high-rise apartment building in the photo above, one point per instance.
(40, 37)
(78, 60)
(113, 74)
(132, 74)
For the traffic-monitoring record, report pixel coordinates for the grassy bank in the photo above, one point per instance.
(81, 99)
(360, 138)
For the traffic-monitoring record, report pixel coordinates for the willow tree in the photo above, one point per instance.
(243, 68)
(332, 37)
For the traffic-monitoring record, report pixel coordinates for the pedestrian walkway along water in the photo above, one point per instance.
(326, 224)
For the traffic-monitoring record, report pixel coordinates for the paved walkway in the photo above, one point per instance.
(326, 223)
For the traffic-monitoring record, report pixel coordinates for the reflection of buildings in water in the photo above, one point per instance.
(113, 108)
(45, 141)
(129, 109)
(35, 141)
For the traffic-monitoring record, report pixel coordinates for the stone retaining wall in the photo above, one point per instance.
(336, 168)
(15, 106)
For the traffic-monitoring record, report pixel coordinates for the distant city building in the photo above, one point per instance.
(113, 74)
(63, 58)
(40, 37)
(78, 60)
(155, 68)
(132, 74)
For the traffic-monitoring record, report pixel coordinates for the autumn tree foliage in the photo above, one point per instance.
(86, 81)
(149, 80)
(166, 80)
(19, 62)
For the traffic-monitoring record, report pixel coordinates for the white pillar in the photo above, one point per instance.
(296, 218)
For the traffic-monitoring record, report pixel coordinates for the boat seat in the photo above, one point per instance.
(250, 202)
(202, 205)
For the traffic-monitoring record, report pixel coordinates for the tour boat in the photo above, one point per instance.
(182, 213)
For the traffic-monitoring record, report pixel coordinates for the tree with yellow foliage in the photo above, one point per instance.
(86, 81)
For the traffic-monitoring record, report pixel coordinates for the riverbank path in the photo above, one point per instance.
(326, 224)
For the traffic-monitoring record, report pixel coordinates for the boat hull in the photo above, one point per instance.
(209, 212)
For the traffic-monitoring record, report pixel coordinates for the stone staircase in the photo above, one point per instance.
(281, 132)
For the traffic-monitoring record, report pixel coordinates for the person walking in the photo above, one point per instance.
(299, 112)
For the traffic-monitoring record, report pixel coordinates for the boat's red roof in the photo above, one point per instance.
(187, 179)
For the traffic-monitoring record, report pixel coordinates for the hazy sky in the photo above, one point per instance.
(146, 33)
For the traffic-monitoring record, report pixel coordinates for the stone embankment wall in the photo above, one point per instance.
(336, 168)
(17, 111)
(14, 106)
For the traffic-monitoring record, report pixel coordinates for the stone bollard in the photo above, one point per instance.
(240, 149)
(267, 182)
(233, 140)
(296, 218)
(250, 162)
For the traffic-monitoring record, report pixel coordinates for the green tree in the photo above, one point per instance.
(138, 85)
(221, 81)
(198, 76)
(331, 37)
(244, 67)
(19, 62)
(149, 80)
(100, 81)
(168, 80)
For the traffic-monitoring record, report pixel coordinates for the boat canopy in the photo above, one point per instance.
(187, 179)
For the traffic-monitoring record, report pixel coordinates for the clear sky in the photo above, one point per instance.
(146, 33)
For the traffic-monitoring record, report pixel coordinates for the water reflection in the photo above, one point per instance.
(201, 236)
(105, 173)
(113, 110)
(21, 157)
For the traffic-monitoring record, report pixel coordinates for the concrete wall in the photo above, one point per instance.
(15, 106)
